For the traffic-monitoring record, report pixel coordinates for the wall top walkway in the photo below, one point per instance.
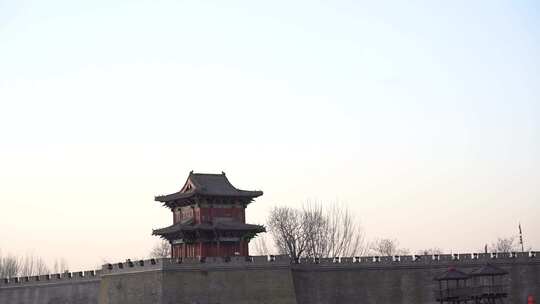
(57, 278)
(268, 262)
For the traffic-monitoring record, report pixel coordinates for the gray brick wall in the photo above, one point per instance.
(405, 279)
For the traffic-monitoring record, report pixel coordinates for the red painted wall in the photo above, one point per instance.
(205, 215)
(208, 214)
(210, 249)
(202, 215)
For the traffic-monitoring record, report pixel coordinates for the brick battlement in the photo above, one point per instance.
(279, 261)
(463, 258)
(428, 259)
(404, 279)
(56, 278)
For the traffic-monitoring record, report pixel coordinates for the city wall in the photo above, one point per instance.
(65, 288)
(406, 279)
(190, 281)
(401, 279)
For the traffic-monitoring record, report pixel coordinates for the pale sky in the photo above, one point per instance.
(421, 116)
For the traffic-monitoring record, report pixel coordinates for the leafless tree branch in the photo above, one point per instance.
(161, 250)
(387, 247)
(315, 231)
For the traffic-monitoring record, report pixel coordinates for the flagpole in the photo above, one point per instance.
(521, 238)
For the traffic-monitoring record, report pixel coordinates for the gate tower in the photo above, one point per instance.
(209, 218)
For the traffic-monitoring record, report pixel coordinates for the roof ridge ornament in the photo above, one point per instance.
(210, 185)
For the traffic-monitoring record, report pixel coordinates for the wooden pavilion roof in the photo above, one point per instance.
(488, 270)
(452, 274)
(204, 184)
(188, 226)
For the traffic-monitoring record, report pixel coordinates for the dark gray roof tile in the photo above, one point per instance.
(488, 270)
(224, 226)
(452, 274)
(209, 185)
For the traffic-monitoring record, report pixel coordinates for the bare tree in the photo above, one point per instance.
(161, 250)
(318, 230)
(32, 266)
(332, 231)
(9, 266)
(41, 267)
(387, 247)
(260, 245)
(27, 267)
(60, 266)
(315, 231)
(430, 251)
(507, 244)
(288, 230)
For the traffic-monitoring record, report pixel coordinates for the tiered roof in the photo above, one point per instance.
(206, 185)
(188, 226)
(451, 275)
(213, 188)
(488, 270)
(485, 270)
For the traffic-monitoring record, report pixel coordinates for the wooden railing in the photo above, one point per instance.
(489, 290)
(461, 293)
(464, 293)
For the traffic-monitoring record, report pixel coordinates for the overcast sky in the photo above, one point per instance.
(421, 116)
